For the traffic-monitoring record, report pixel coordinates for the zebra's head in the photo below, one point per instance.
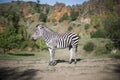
(38, 32)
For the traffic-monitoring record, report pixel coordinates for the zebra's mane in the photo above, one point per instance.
(48, 29)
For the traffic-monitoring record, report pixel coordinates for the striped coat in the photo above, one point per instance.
(55, 40)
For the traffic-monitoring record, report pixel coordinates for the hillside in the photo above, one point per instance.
(87, 19)
(29, 9)
(34, 11)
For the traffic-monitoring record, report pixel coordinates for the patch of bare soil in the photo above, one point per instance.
(38, 69)
(86, 69)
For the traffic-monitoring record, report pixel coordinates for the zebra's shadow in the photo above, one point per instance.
(63, 61)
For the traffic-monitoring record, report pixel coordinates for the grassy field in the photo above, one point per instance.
(24, 55)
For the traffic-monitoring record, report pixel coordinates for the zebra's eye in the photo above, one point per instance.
(41, 27)
(36, 32)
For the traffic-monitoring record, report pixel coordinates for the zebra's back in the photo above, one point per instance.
(67, 39)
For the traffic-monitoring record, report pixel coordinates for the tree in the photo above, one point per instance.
(13, 18)
(64, 17)
(112, 28)
(9, 39)
(110, 4)
(74, 15)
(43, 17)
(38, 2)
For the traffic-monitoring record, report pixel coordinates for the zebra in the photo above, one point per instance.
(54, 40)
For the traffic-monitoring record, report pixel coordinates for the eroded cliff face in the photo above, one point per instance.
(2, 27)
(29, 10)
(59, 10)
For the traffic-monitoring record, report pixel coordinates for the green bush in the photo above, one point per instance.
(112, 28)
(95, 20)
(9, 39)
(64, 17)
(89, 47)
(43, 17)
(116, 56)
(87, 26)
(74, 15)
(98, 34)
(41, 44)
(110, 4)
(101, 51)
(110, 46)
(25, 44)
(70, 28)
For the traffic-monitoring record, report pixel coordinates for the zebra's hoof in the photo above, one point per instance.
(70, 62)
(75, 62)
(52, 63)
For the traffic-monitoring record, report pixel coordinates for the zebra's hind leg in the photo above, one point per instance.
(72, 55)
(75, 53)
(52, 63)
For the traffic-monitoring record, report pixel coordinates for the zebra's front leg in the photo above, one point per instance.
(52, 56)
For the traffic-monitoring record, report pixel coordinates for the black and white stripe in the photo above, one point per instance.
(66, 40)
(55, 40)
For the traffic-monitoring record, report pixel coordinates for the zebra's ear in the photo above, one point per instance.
(37, 25)
(40, 27)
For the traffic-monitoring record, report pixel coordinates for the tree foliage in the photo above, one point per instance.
(64, 17)
(41, 44)
(74, 15)
(98, 34)
(43, 17)
(9, 39)
(89, 47)
(110, 4)
(112, 28)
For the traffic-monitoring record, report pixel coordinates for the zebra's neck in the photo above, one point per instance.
(48, 35)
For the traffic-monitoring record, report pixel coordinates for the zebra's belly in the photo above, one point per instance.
(62, 46)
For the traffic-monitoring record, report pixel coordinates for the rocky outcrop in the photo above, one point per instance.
(2, 26)
(59, 9)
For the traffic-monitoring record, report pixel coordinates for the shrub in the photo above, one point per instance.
(64, 17)
(9, 39)
(41, 44)
(98, 34)
(74, 15)
(110, 4)
(87, 26)
(101, 51)
(43, 17)
(70, 28)
(89, 47)
(112, 28)
(116, 56)
(110, 46)
(25, 44)
(95, 20)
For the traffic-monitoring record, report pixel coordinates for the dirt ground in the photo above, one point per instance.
(38, 69)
